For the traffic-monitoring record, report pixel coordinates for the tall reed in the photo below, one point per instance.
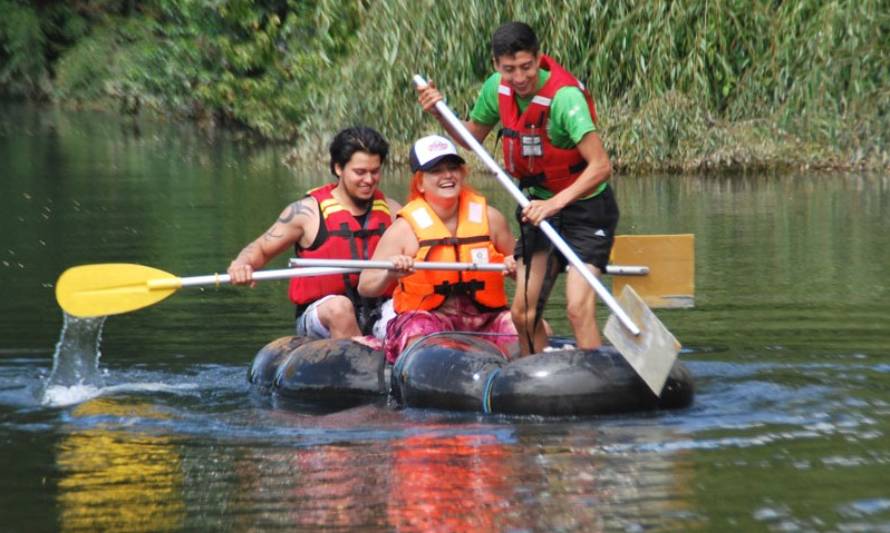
(683, 85)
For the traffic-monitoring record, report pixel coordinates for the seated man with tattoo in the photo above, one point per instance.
(341, 220)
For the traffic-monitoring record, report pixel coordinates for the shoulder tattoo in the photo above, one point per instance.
(293, 210)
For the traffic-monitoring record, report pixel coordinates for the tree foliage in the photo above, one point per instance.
(687, 84)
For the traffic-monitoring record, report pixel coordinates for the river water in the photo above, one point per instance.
(789, 343)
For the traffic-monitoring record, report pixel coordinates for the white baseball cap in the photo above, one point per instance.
(428, 151)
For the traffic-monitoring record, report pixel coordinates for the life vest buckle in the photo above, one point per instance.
(467, 288)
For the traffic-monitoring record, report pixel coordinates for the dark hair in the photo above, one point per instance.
(513, 37)
(357, 139)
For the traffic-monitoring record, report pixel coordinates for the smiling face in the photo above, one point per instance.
(360, 176)
(442, 183)
(520, 72)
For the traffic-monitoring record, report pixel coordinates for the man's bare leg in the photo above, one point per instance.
(532, 332)
(581, 307)
(337, 314)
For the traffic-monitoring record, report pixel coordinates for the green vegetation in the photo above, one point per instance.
(680, 86)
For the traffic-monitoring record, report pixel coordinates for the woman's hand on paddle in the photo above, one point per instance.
(538, 210)
(402, 265)
(428, 97)
(241, 274)
(510, 267)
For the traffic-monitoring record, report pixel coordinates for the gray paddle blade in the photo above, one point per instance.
(652, 353)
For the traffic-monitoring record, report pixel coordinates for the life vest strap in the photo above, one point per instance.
(454, 241)
(515, 134)
(363, 233)
(537, 180)
(468, 288)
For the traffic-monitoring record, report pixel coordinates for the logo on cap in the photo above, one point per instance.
(437, 146)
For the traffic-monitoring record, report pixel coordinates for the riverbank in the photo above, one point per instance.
(680, 87)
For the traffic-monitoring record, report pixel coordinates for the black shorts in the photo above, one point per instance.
(587, 226)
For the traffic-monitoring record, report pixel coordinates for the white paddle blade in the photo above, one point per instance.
(652, 353)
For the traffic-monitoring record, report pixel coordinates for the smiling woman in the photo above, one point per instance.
(445, 220)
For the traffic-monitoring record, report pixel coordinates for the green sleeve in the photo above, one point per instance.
(570, 118)
(485, 111)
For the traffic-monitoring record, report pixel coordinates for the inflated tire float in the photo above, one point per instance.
(326, 372)
(463, 372)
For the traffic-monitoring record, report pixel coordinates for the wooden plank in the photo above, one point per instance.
(671, 261)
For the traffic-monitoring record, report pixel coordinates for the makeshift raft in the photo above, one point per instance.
(462, 372)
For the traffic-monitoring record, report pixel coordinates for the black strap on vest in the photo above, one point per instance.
(538, 179)
(467, 288)
(454, 241)
(363, 233)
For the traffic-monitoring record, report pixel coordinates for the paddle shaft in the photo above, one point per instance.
(260, 275)
(520, 198)
(616, 270)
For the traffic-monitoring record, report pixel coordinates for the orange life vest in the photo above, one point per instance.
(529, 154)
(428, 289)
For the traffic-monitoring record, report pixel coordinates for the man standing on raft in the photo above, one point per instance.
(551, 145)
(341, 220)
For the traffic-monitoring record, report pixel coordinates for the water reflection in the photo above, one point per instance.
(586, 484)
(322, 475)
(450, 483)
(457, 478)
(117, 480)
(422, 482)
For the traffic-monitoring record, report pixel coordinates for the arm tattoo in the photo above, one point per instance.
(272, 234)
(296, 208)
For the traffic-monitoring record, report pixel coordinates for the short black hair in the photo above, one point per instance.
(356, 139)
(513, 37)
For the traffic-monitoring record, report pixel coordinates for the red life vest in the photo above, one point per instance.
(345, 239)
(428, 289)
(555, 168)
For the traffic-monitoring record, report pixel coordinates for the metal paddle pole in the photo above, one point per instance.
(617, 270)
(545, 226)
(266, 275)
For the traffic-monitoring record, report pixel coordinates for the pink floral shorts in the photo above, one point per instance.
(456, 314)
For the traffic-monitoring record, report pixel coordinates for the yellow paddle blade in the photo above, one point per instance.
(670, 282)
(651, 353)
(112, 288)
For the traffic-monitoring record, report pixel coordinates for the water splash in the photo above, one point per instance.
(75, 376)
